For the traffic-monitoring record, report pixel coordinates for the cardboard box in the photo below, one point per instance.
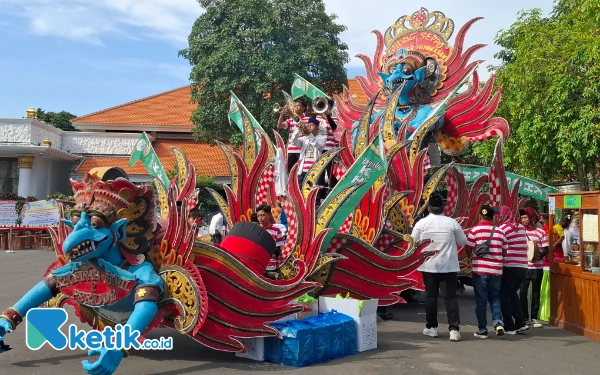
(314, 306)
(255, 349)
(366, 332)
(365, 318)
(349, 307)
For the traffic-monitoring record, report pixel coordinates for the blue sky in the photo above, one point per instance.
(83, 56)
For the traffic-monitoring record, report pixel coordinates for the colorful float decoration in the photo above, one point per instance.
(116, 263)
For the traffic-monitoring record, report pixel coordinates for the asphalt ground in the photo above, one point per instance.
(402, 348)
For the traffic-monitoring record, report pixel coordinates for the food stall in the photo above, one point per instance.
(575, 280)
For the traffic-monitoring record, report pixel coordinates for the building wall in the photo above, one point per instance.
(99, 143)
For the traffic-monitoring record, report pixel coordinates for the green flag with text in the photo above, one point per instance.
(365, 171)
(144, 151)
(302, 87)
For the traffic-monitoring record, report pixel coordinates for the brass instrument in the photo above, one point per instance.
(320, 104)
(277, 108)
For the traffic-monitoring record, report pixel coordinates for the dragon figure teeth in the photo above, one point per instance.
(82, 249)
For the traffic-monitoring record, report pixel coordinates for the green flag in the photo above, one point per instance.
(235, 115)
(302, 87)
(365, 171)
(144, 151)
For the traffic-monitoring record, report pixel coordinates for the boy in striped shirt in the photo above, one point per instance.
(513, 274)
(311, 146)
(487, 270)
(535, 268)
(265, 220)
(293, 151)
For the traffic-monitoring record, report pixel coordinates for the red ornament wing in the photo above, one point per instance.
(241, 302)
(368, 273)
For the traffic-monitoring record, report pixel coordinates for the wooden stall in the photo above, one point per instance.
(575, 282)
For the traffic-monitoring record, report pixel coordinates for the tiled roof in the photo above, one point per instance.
(354, 88)
(171, 108)
(208, 160)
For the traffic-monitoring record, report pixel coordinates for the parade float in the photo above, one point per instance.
(118, 263)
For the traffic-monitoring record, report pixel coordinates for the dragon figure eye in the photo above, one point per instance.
(97, 223)
(407, 69)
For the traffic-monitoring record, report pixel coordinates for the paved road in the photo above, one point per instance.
(402, 347)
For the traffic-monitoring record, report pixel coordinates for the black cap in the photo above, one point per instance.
(436, 200)
(487, 211)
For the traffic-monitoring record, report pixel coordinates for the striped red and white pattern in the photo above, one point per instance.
(325, 129)
(427, 163)
(516, 240)
(491, 263)
(538, 235)
(289, 124)
(277, 235)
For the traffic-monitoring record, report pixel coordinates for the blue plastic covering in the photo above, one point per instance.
(297, 347)
(349, 331)
(322, 331)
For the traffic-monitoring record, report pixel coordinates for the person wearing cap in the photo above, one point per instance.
(293, 151)
(311, 145)
(487, 270)
(535, 269)
(440, 270)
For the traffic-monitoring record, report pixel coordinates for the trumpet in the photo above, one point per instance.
(320, 104)
(277, 108)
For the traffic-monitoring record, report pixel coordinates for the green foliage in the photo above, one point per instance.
(60, 120)
(60, 196)
(253, 48)
(550, 69)
(206, 201)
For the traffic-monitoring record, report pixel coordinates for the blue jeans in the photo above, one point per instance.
(487, 289)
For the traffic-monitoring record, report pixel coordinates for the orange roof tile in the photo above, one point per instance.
(208, 160)
(171, 108)
(354, 88)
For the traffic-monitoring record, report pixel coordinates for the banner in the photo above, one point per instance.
(8, 213)
(40, 214)
(302, 87)
(144, 151)
(365, 171)
(528, 187)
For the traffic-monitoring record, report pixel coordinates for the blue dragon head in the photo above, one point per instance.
(94, 237)
(413, 73)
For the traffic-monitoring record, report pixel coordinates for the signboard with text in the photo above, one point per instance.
(40, 214)
(8, 213)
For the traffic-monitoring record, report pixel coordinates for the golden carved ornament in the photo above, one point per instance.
(181, 290)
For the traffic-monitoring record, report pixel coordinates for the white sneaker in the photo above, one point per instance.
(510, 332)
(499, 331)
(480, 335)
(431, 332)
(454, 335)
(536, 324)
(523, 329)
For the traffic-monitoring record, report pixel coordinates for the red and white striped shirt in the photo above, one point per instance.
(538, 235)
(516, 252)
(491, 263)
(326, 130)
(277, 235)
(289, 124)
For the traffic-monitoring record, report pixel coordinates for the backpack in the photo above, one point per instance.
(484, 247)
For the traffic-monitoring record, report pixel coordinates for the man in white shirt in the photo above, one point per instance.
(441, 269)
(215, 228)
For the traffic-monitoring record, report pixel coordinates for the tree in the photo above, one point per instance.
(253, 48)
(60, 120)
(549, 70)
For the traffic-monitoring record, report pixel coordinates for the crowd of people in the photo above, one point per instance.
(508, 255)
